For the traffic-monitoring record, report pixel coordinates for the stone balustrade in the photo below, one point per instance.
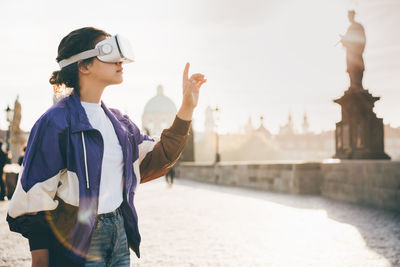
(368, 182)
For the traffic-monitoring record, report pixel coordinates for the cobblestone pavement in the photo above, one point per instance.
(195, 224)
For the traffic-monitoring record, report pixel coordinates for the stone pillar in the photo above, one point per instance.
(359, 135)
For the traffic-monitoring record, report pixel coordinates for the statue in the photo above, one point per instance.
(360, 133)
(17, 138)
(354, 41)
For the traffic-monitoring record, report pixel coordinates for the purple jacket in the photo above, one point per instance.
(58, 186)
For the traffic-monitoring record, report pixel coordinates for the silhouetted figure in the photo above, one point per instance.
(21, 157)
(169, 177)
(3, 161)
(354, 41)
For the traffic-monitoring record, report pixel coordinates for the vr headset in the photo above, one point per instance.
(113, 49)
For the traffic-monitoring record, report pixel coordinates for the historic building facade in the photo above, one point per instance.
(158, 114)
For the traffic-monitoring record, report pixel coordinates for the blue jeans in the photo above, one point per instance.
(109, 245)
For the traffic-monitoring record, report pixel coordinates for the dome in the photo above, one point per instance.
(160, 103)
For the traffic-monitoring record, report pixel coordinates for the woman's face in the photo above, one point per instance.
(106, 73)
(103, 72)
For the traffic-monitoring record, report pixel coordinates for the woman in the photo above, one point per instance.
(83, 162)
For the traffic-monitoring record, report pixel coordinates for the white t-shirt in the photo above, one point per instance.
(111, 181)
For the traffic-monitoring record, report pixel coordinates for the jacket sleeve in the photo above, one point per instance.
(157, 157)
(37, 183)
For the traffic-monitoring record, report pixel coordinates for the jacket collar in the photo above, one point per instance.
(80, 121)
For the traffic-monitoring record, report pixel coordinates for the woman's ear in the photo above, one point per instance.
(83, 68)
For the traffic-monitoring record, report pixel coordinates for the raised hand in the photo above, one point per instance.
(190, 91)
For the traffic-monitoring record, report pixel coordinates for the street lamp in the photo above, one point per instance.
(217, 155)
(9, 117)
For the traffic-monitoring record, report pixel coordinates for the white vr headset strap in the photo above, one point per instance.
(81, 56)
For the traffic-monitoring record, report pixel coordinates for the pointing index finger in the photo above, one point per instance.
(186, 72)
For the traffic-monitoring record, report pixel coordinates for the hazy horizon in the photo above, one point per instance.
(261, 58)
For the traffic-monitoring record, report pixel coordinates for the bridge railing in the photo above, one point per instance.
(367, 182)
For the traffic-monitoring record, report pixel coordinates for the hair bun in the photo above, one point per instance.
(55, 78)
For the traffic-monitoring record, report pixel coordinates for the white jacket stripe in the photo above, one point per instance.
(145, 147)
(40, 197)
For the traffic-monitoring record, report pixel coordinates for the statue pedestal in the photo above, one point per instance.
(360, 133)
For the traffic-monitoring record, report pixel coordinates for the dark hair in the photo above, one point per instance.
(75, 42)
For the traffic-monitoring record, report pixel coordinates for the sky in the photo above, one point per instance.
(267, 58)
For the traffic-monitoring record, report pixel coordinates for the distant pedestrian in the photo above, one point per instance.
(169, 177)
(3, 161)
(75, 197)
(21, 157)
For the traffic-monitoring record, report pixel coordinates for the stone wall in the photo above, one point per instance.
(374, 183)
(295, 178)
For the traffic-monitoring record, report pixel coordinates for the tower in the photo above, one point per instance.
(305, 126)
